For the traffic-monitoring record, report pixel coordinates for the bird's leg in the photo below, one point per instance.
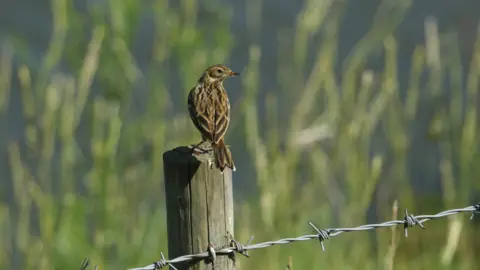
(196, 149)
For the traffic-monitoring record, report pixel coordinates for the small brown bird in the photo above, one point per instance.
(209, 109)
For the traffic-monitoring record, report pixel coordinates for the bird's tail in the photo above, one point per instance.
(223, 156)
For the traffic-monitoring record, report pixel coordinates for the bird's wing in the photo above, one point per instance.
(201, 111)
(222, 115)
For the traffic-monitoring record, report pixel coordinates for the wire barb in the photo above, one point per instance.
(85, 264)
(162, 263)
(212, 255)
(477, 210)
(239, 247)
(410, 221)
(321, 235)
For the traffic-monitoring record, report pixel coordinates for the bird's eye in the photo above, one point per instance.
(219, 71)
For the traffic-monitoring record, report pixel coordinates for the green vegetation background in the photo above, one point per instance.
(105, 202)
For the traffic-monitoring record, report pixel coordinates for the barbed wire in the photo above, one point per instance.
(234, 247)
(86, 263)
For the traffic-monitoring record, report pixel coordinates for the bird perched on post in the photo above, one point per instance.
(209, 109)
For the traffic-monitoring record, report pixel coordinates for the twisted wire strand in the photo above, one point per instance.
(86, 263)
(321, 235)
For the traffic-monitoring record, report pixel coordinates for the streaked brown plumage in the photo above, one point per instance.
(209, 109)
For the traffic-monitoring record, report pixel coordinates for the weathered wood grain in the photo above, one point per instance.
(199, 203)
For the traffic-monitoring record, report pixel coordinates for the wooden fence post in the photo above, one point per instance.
(199, 207)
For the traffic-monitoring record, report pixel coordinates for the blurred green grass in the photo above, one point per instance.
(105, 202)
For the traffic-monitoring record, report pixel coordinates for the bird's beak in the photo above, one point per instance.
(231, 73)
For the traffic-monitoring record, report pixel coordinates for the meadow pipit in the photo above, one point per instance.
(209, 109)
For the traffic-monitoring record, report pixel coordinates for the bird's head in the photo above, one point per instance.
(217, 73)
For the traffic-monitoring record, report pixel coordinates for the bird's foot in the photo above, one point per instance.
(198, 150)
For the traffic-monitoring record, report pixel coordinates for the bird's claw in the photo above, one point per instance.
(197, 150)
